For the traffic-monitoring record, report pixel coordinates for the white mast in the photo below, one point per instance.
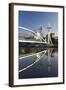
(49, 31)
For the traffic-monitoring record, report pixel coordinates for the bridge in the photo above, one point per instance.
(35, 34)
(36, 40)
(36, 37)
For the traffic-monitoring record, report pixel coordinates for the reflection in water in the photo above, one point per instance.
(51, 53)
(38, 64)
(37, 58)
(25, 51)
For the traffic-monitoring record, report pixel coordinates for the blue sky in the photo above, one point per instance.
(33, 20)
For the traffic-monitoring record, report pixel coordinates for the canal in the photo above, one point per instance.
(38, 62)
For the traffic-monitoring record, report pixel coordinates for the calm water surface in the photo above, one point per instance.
(38, 62)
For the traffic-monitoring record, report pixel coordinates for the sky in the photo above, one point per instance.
(33, 20)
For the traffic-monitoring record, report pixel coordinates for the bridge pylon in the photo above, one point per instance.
(49, 32)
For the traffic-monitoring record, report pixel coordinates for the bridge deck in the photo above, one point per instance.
(33, 42)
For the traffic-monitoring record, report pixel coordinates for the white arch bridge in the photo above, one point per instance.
(37, 36)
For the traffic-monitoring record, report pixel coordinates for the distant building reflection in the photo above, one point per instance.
(23, 51)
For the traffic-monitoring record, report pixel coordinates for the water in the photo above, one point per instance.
(38, 62)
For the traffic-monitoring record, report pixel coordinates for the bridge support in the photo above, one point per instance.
(49, 32)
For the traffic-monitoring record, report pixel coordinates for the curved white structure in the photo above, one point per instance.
(35, 34)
